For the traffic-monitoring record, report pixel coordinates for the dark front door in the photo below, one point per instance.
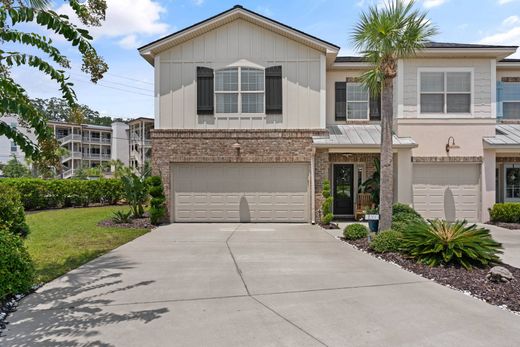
(344, 189)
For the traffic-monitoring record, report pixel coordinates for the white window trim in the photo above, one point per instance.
(346, 106)
(239, 112)
(445, 114)
(504, 180)
(507, 101)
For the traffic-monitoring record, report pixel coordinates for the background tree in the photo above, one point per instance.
(13, 97)
(384, 35)
(14, 168)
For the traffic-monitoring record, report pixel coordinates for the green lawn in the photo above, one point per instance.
(62, 240)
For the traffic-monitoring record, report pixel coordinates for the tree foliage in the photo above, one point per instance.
(15, 169)
(14, 100)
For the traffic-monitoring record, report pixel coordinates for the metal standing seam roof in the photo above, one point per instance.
(358, 136)
(506, 135)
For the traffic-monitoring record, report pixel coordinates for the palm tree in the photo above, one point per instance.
(384, 35)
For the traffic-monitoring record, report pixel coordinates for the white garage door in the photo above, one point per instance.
(241, 192)
(447, 191)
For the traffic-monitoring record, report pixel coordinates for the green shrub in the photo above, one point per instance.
(355, 231)
(57, 193)
(399, 209)
(507, 212)
(439, 242)
(156, 191)
(16, 268)
(120, 217)
(326, 206)
(12, 214)
(387, 241)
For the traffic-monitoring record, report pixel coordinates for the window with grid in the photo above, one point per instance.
(445, 92)
(511, 100)
(239, 90)
(357, 101)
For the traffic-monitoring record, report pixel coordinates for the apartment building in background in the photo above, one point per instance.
(140, 142)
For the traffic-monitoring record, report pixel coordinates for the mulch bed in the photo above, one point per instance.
(511, 226)
(331, 226)
(137, 223)
(474, 282)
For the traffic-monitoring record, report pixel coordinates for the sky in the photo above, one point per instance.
(127, 89)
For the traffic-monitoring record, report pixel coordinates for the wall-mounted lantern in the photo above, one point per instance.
(451, 144)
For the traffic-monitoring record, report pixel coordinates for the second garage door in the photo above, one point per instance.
(241, 192)
(447, 191)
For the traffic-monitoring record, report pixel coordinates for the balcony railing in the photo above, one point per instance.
(103, 140)
(71, 137)
(97, 156)
(72, 155)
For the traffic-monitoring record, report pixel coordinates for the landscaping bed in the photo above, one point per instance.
(135, 223)
(473, 282)
(510, 226)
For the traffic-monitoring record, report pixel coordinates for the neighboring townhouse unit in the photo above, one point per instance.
(87, 145)
(251, 116)
(140, 142)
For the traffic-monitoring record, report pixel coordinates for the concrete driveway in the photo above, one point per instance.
(251, 285)
(510, 240)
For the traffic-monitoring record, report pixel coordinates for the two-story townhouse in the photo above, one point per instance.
(251, 116)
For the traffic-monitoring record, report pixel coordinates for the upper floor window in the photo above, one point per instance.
(444, 92)
(239, 90)
(354, 102)
(508, 100)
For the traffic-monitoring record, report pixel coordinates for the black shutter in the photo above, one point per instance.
(273, 90)
(341, 101)
(204, 90)
(375, 107)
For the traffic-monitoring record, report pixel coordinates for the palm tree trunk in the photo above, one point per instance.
(387, 164)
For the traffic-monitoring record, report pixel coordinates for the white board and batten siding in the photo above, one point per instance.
(239, 43)
(447, 191)
(239, 192)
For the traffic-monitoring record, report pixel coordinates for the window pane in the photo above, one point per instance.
(458, 81)
(432, 81)
(252, 79)
(356, 92)
(432, 103)
(226, 80)
(253, 103)
(227, 103)
(357, 110)
(510, 91)
(511, 110)
(459, 103)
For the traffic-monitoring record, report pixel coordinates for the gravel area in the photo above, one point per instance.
(505, 295)
(510, 226)
(137, 223)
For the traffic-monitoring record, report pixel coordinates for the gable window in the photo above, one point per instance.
(444, 92)
(239, 90)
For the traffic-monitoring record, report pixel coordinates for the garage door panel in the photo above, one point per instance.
(241, 192)
(447, 191)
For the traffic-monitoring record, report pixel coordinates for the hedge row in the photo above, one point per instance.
(58, 193)
(506, 212)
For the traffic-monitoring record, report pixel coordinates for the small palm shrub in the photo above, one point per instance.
(355, 231)
(135, 192)
(326, 206)
(507, 212)
(157, 206)
(12, 214)
(387, 241)
(16, 268)
(442, 243)
(121, 217)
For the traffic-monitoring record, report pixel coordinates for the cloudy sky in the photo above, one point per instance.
(127, 90)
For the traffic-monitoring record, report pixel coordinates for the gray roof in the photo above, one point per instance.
(358, 136)
(506, 135)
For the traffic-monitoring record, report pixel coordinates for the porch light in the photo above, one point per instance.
(236, 146)
(451, 144)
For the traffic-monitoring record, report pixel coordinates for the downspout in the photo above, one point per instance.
(313, 195)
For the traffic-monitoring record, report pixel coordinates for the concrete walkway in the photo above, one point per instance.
(510, 240)
(251, 285)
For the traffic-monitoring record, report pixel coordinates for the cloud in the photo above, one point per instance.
(126, 22)
(382, 3)
(512, 20)
(433, 3)
(503, 2)
(508, 37)
(265, 10)
(198, 2)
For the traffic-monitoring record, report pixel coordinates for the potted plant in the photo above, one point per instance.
(372, 217)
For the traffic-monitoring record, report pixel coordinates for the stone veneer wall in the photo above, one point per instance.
(170, 146)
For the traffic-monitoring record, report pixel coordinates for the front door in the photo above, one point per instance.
(343, 190)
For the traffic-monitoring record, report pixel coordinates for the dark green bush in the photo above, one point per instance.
(355, 231)
(326, 206)
(507, 212)
(16, 268)
(439, 242)
(57, 193)
(399, 209)
(12, 214)
(157, 208)
(387, 241)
